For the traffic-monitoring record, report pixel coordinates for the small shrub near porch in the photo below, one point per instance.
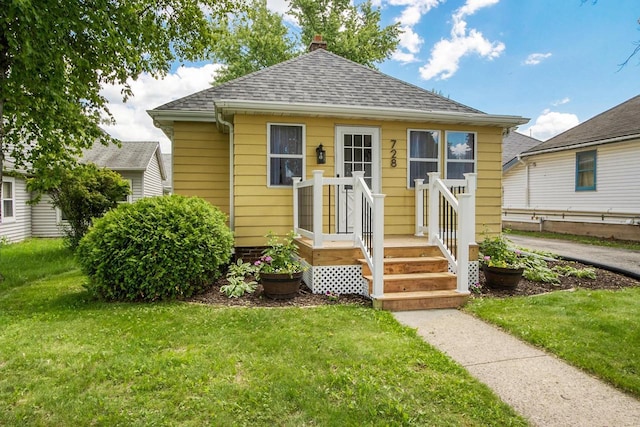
(157, 248)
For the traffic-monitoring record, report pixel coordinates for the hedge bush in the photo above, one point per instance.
(156, 248)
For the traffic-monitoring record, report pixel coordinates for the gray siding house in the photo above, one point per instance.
(139, 162)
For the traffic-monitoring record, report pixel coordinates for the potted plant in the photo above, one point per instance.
(279, 270)
(501, 263)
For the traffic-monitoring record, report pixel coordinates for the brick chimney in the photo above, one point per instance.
(317, 43)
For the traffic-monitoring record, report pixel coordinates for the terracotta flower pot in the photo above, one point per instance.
(502, 278)
(281, 285)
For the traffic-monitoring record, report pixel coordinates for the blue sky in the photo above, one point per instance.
(553, 61)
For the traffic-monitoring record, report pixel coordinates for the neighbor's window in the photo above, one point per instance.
(8, 200)
(285, 154)
(129, 197)
(423, 147)
(586, 170)
(461, 154)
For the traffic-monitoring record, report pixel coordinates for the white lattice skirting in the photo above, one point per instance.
(347, 279)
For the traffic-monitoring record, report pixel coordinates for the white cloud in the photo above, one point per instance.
(550, 123)
(536, 58)
(447, 53)
(410, 41)
(132, 121)
(562, 101)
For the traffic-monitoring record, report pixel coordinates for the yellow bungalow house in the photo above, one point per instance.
(333, 149)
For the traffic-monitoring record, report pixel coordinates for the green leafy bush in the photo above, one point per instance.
(157, 248)
(83, 194)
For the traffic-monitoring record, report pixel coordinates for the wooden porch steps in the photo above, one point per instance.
(415, 278)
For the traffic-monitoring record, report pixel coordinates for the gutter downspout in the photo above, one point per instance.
(526, 179)
(231, 171)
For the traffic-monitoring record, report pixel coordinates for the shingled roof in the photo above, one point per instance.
(320, 77)
(512, 145)
(132, 156)
(620, 122)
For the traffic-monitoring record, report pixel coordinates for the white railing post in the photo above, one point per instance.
(378, 245)
(472, 182)
(296, 213)
(419, 207)
(317, 208)
(432, 218)
(357, 208)
(466, 234)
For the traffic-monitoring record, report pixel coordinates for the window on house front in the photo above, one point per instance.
(461, 154)
(8, 200)
(423, 148)
(586, 171)
(285, 154)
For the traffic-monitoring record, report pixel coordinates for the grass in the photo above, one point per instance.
(593, 330)
(68, 360)
(589, 240)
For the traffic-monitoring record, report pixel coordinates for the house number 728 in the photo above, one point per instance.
(394, 161)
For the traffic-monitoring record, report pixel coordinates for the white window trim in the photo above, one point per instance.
(446, 151)
(409, 158)
(8, 219)
(289, 156)
(59, 220)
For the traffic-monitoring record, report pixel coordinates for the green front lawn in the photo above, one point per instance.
(594, 330)
(66, 360)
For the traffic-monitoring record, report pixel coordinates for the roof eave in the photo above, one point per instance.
(349, 111)
(581, 145)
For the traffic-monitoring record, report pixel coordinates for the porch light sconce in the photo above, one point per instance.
(321, 155)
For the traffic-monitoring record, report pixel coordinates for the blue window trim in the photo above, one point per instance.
(592, 153)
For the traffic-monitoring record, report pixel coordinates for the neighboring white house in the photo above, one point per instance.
(583, 181)
(139, 162)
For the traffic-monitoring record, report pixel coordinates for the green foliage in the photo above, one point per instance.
(253, 41)
(280, 257)
(156, 248)
(83, 194)
(351, 31)
(259, 38)
(498, 251)
(537, 270)
(240, 269)
(55, 57)
(238, 286)
(239, 278)
(581, 273)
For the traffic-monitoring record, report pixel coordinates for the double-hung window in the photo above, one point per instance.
(586, 170)
(423, 148)
(285, 153)
(461, 154)
(8, 199)
(129, 197)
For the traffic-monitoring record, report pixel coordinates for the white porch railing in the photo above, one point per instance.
(316, 201)
(451, 219)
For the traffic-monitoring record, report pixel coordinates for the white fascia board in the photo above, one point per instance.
(182, 115)
(298, 109)
(581, 145)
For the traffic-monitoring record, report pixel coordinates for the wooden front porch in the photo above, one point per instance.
(416, 274)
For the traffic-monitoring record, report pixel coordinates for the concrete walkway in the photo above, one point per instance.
(598, 256)
(543, 389)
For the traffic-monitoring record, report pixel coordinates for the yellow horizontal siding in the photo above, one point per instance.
(201, 162)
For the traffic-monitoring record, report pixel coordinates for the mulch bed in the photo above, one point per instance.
(604, 280)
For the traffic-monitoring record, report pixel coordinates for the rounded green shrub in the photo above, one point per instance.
(156, 248)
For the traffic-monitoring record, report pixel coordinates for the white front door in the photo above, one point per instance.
(357, 149)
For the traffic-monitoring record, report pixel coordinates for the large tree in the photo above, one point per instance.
(260, 38)
(56, 55)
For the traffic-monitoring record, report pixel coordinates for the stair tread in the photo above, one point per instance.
(405, 276)
(408, 259)
(421, 294)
